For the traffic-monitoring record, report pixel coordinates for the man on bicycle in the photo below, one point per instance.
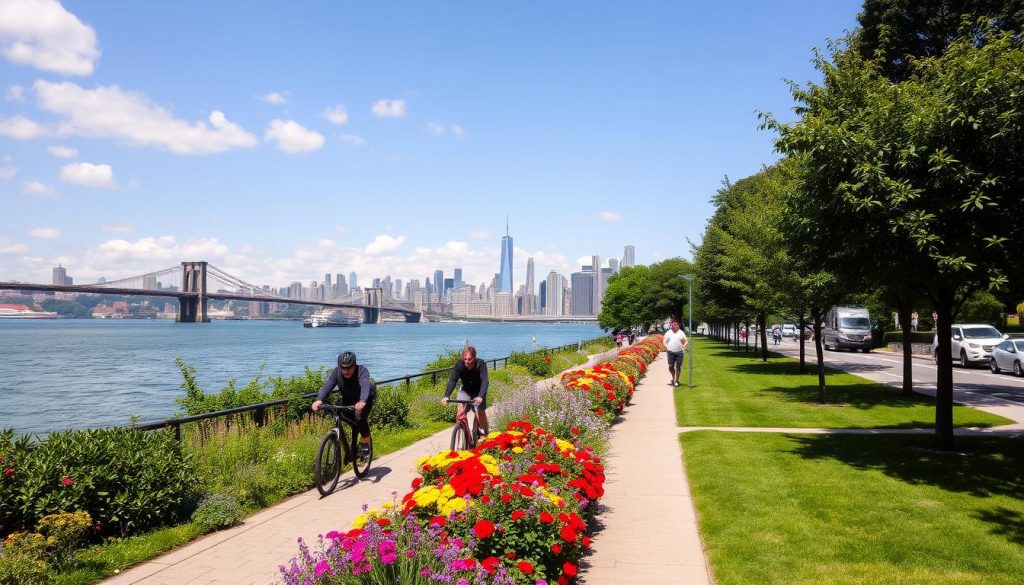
(353, 381)
(473, 373)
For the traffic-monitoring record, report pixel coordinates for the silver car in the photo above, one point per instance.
(1008, 355)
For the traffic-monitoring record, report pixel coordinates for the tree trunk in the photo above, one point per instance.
(904, 311)
(816, 316)
(762, 320)
(944, 302)
(746, 338)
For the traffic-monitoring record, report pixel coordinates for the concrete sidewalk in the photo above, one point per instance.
(647, 528)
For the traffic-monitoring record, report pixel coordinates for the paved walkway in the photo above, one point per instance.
(647, 528)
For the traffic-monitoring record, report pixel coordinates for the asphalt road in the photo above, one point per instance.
(976, 385)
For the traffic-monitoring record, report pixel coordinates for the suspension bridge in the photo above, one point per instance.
(194, 284)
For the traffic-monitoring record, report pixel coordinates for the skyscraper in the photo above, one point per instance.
(543, 295)
(628, 256)
(328, 289)
(458, 277)
(60, 274)
(352, 280)
(529, 301)
(554, 290)
(598, 289)
(582, 292)
(439, 284)
(505, 278)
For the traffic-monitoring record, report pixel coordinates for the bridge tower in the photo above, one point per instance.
(374, 297)
(193, 280)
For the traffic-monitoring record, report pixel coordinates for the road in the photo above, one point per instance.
(998, 393)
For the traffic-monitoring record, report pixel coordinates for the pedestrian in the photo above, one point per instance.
(913, 321)
(675, 346)
(618, 339)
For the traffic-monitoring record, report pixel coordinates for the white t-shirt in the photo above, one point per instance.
(674, 340)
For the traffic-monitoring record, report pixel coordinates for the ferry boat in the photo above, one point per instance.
(330, 318)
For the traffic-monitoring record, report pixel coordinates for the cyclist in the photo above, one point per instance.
(473, 373)
(353, 381)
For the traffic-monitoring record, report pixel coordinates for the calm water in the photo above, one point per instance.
(60, 374)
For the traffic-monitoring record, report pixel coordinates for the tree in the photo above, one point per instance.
(929, 169)
(668, 292)
(625, 302)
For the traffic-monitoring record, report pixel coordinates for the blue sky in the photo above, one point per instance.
(281, 141)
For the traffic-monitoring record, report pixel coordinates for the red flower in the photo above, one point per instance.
(546, 518)
(569, 569)
(8, 471)
(586, 541)
(383, 521)
(547, 359)
(556, 548)
(600, 411)
(575, 431)
(567, 534)
(490, 564)
(516, 515)
(510, 555)
(483, 528)
(438, 520)
(506, 498)
(416, 483)
(525, 567)
(67, 481)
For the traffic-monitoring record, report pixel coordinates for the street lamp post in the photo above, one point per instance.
(689, 307)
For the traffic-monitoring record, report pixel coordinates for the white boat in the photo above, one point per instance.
(330, 318)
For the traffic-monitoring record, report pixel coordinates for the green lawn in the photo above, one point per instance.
(736, 389)
(820, 509)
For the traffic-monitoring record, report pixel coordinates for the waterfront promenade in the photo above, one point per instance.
(646, 532)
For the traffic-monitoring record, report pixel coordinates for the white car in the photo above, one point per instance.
(1008, 356)
(972, 343)
(789, 330)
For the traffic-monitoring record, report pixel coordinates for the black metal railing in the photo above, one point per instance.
(260, 410)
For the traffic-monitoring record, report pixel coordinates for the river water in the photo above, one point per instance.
(62, 374)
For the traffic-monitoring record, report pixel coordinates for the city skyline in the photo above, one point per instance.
(319, 137)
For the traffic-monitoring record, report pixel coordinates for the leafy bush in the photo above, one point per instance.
(64, 533)
(391, 409)
(257, 390)
(537, 363)
(21, 559)
(216, 512)
(127, 480)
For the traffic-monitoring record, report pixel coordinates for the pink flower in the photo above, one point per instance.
(67, 481)
(321, 568)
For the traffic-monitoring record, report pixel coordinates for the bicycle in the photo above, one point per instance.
(462, 437)
(327, 468)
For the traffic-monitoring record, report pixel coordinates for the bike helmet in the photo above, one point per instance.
(346, 359)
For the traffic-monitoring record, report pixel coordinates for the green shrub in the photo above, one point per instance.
(537, 363)
(430, 409)
(216, 512)
(22, 559)
(127, 480)
(64, 533)
(257, 390)
(391, 408)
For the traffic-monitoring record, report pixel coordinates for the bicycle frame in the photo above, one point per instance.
(462, 424)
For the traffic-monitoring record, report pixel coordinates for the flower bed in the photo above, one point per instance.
(513, 510)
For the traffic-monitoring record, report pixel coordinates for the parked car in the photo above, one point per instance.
(972, 343)
(1008, 356)
(789, 330)
(847, 328)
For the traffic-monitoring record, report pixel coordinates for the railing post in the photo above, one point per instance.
(259, 416)
(177, 432)
(407, 383)
(433, 377)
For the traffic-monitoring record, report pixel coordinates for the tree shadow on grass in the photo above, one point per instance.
(862, 396)
(792, 368)
(1008, 523)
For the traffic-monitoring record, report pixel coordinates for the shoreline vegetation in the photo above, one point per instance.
(225, 468)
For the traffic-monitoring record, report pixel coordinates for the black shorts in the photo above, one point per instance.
(675, 358)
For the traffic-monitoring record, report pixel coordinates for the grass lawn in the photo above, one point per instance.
(736, 389)
(820, 509)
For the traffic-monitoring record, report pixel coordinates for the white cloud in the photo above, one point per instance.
(388, 108)
(435, 128)
(479, 236)
(44, 233)
(110, 112)
(353, 140)
(8, 248)
(21, 128)
(42, 34)
(62, 151)
(341, 230)
(274, 98)
(15, 93)
(117, 227)
(609, 216)
(292, 138)
(384, 244)
(336, 115)
(89, 175)
(36, 188)
(7, 168)
(458, 131)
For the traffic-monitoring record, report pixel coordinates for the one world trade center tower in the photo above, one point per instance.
(505, 274)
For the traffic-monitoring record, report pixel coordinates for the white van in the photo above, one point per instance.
(847, 328)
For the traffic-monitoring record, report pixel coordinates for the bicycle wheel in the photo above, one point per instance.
(476, 432)
(460, 436)
(328, 464)
(361, 464)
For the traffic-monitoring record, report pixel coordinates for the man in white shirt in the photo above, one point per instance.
(675, 344)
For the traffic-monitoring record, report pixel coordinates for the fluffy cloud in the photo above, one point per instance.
(292, 138)
(458, 131)
(8, 248)
(117, 227)
(42, 34)
(353, 140)
(36, 188)
(388, 108)
(384, 244)
(89, 175)
(479, 236)
(62, 151)
(110, 112)
(7, 168)
(435, 128)
(44, 233)
(274, 98)
(15, 93)
(609, 216)
(21, 128)
(336, 115)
